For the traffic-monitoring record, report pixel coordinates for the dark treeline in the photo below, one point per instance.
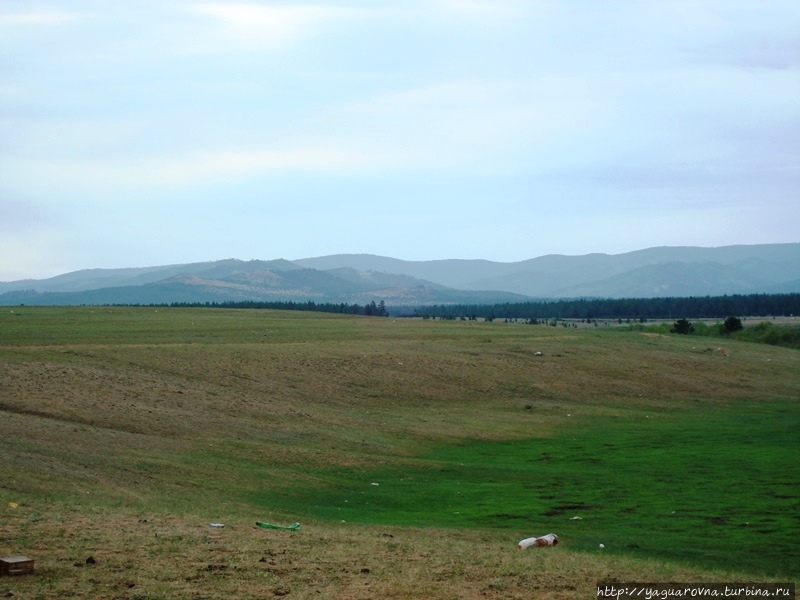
(370, 309)
(642, 309)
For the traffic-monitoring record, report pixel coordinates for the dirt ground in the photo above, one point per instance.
(118, 555)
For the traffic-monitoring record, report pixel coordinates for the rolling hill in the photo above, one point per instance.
(361, 278)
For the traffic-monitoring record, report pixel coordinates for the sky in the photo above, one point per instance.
(154, 132)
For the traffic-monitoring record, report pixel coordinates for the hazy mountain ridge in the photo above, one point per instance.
(676, 279)
(92, 279)
(361, 278)
(556, 275)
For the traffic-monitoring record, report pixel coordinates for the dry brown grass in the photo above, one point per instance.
(146, 555)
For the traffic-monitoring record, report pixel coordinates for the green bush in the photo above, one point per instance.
(703, 329)
(732, 324)
(767, 333)
(762, 333)
(683, 327)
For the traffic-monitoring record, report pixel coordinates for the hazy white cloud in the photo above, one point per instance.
(480, 10)
(480, 125)
(274, 22)
(625, 114)
(196, 168)
(227, 164)
(741, 34)
(19, 216)
(36, 17)
(267, 26)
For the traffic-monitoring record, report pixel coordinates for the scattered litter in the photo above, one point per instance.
(13, 505)
(575, 519)
(537, 353)
(16, 565)
(216, 524)
(292, 527)
(373, 483)
(551, 539)
(602, 546)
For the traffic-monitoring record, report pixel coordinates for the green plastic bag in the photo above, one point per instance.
(292, 527)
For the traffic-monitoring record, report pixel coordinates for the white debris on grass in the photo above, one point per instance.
(551, 539)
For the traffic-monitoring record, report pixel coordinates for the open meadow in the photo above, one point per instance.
(414, 453)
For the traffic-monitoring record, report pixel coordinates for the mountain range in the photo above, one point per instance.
(361, 278)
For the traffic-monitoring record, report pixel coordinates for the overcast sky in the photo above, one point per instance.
(140, 133)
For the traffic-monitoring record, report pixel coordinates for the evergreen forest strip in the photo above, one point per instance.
(370, 309)
(640, 309)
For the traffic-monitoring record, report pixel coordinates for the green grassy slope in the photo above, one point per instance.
(697, 487)
(667, 449)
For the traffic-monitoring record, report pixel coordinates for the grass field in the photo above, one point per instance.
(416, 454)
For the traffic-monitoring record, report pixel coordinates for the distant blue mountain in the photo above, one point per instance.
(361, 278)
